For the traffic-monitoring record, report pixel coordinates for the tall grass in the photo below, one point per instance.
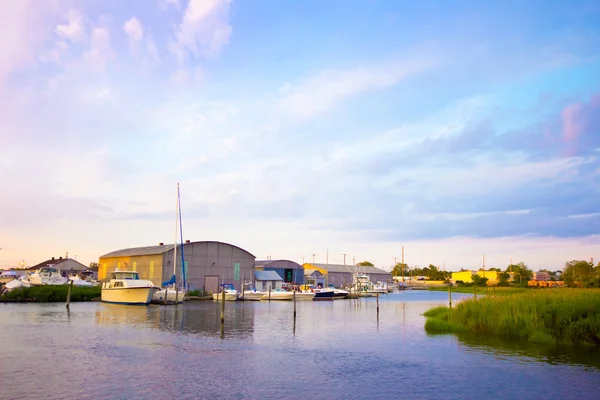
(52, 293)
(542, 316)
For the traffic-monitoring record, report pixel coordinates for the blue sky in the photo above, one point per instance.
(456, 129)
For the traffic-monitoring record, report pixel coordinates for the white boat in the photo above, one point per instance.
(278, 295)
(337, 293)
(231, 294)
(22, 281)
(126, 287)
(170, 293)
(47, 276)
(304, 296)
(77, 281)
(8, 276)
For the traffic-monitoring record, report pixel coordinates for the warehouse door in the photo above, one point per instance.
(211, 283)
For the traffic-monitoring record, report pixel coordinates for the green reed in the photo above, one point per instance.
(542, 316)
(51, 293)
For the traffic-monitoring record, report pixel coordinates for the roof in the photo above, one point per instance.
(351, 269)
(277, 264)
(55, 262)
(267, 276)
(159, 249)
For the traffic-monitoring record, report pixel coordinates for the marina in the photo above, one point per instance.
(98, 350)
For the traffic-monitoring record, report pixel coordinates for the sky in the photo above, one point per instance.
(305, 130)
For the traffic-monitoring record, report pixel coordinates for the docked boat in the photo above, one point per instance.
(319, 293)
(304, 296)
(126, 287)
(337, 293)
(8, 276)
(77, 281)
(173, 292)
(20, 282)
(47, 276)
(278, 295)
(231, 294)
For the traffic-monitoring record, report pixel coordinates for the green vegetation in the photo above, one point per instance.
(51, 293)
(541, 316)
(581, 273)
(481, 290)
(365, 264)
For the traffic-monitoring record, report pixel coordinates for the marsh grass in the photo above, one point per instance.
(52, 293)
(541, 316)
(481, 290)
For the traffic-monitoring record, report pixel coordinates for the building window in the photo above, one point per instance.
(135, 266)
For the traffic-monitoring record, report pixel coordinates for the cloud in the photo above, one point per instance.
(321, 92)
(74, 30)
(100, 52)
(133, 29)
(204, 30)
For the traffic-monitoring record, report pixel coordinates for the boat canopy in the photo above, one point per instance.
(124, 275)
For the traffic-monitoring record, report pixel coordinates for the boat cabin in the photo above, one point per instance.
(124, 275)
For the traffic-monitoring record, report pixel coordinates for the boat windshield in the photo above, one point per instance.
(125, 275)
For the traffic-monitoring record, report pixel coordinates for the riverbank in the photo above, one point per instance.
(547, 316)
(483, 290)
(51, 293)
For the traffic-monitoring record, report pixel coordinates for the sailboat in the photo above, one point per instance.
(171, 293)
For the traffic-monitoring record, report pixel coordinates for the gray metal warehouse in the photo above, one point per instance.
(342, 275)
(208, 264)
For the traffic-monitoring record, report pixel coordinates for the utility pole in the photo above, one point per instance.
(403, 264)
(344, 254)
(354, 261)
(314, 257)
(327, 257)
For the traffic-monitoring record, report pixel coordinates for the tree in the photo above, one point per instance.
(503, 278)
(479, 280)
(94, 266)
(580, 273)
(494, 269)
(400, 269)
(365, 264)
(520, 271)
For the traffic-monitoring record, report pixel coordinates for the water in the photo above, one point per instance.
(336, 350)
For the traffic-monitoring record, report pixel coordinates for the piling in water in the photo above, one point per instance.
(449, 295)
(222, 308)
(69, 294)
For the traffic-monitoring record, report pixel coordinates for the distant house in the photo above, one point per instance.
(290, 271)
(467, 276)
(265, 280)
(66, 266)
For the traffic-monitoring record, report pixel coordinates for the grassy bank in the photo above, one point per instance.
(481, 290)
(541, 316)
(51, 293)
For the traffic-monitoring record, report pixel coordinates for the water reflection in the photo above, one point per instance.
(192, 318)
(510, 348)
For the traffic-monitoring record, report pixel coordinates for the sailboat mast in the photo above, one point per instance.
(175, 241)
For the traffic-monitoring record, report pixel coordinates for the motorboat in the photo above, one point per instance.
(304, 296)
(172, 295)
(337, 293)
(77, 281)
(277, 294)
(47, 276)
(126, 287)
(8, 276)
(20, 282)
(319, 293)
(231, 293)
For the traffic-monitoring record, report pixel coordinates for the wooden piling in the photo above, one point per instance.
(377, 304)
(294, 305)
(475, 291)
(450, 295)
(269, 293)
(166, 295)
(177, 295)
(222, 308)
(69, 294)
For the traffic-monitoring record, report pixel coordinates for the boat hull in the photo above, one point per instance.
(304, 296)
(251, 296)
(172, 296)
(283, 296)
(321, 296)
(228, 296)
(128, 295)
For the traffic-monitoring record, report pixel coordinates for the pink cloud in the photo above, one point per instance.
(572, 119)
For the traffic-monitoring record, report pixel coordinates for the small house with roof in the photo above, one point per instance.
(67, 266)
(267, 280)
(290, 271)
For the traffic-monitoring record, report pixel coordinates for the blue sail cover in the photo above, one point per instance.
(170, 281)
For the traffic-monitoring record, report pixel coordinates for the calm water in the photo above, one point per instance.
(336, 350)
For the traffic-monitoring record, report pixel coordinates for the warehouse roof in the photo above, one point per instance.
(153, 250)
(267, 276)
(351, 269)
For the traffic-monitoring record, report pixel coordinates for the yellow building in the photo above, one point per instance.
(464, 276)
(467, 276)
